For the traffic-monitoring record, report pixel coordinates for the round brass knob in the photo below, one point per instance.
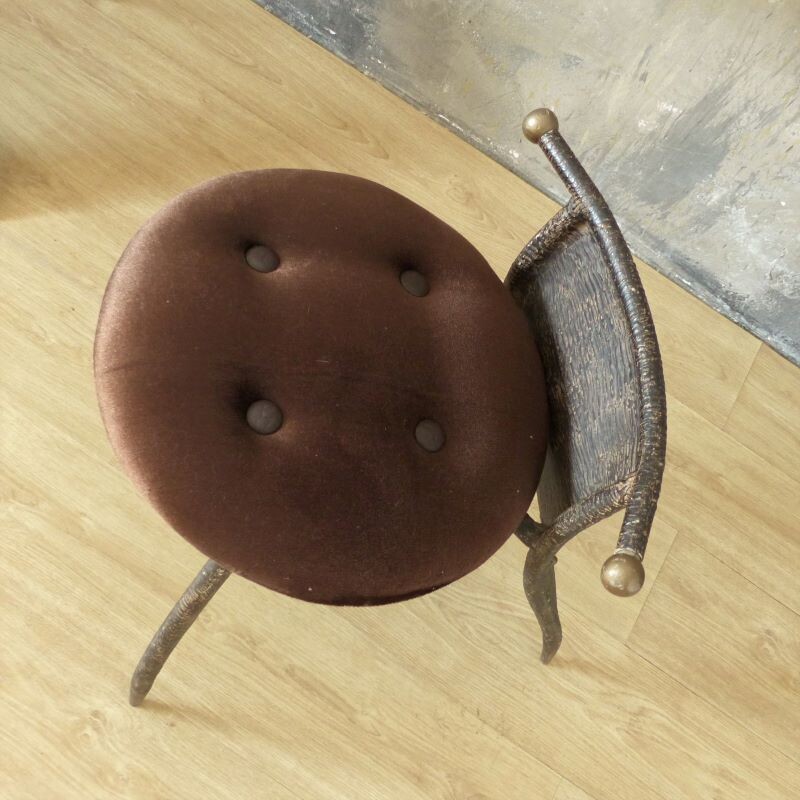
(623, 574)
(538, 123)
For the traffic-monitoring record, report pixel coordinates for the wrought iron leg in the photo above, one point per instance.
(539, 580)
(539, 576)
(178, 621)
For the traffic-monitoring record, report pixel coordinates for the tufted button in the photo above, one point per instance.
(261, 258)
(264, 417)
(429, 435)
(414, 282)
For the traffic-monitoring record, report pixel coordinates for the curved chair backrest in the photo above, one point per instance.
(577, 283)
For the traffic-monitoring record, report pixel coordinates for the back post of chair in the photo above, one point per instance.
(579, 287)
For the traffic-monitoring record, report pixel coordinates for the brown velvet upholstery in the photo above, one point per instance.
(341, 504)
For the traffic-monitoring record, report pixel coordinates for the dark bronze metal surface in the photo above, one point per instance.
(178, 621)
(577, 283)
(552, 232)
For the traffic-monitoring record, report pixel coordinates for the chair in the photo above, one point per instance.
(309, 376)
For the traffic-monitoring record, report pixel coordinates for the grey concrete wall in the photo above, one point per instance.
(685, 113)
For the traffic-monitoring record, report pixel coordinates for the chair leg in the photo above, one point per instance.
(178, 621)
(539, 580)
(545, 541)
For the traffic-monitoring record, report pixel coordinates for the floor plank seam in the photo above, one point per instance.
(779, 470)
(728, 416)
(736, 722)
(652, 587)
(749, 580)
(558, 787)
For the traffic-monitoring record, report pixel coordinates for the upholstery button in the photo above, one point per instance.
(414, 282)
(264, 417)
(429, 435)
(261, 258)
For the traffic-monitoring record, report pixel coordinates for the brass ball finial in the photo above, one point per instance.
(538, 123)
(623, 574)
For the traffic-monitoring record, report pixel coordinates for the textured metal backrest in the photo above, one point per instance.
(585, 341)
(579, 286)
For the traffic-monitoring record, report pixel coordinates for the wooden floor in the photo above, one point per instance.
(689, 690)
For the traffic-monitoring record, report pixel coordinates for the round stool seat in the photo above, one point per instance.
(321, 385)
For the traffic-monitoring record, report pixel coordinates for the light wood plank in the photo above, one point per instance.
(601, 715)
(568, 791)
(706, 356)
(729, 643)
(766, 415)
(733, 503)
